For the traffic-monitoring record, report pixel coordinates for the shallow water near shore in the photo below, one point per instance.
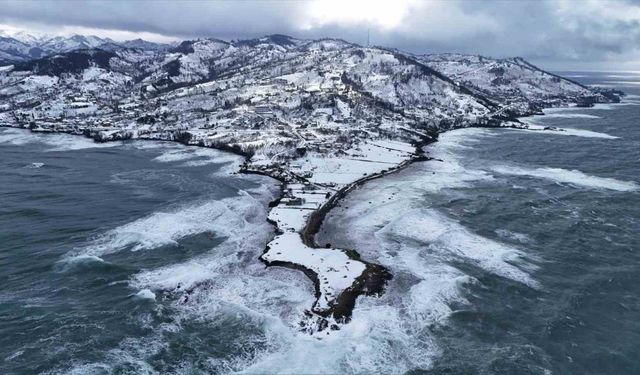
(517, 253)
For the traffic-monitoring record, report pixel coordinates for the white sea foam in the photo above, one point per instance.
(159, 229)
(85, 258)
(146, 294)
(623, 75)
(145, 144)
(35, 165)
(448, 172)
(191, 156)
(419, 246)
(573, 177)
(56, 141)
(447, 239)
(623, 82)
(585, 133)
(169, 226)
(229, 286)
(597, 106)
(451, 141)
(605, 85)
(612, 106)
(520, 237)
(14, 355)
(569, 115)
(542, 129)
(375, 341)
(173, 155)
(197, 156)
(78, 261)
(133, 354)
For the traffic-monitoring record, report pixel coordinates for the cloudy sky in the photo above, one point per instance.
(558, 34)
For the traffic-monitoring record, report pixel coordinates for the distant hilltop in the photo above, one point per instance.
(22, 46)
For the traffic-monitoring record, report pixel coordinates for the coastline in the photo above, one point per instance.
(373, 279)
(370, 282)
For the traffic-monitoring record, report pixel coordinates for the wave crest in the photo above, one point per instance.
(573, 177)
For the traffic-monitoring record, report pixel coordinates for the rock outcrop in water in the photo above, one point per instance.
(320, 115)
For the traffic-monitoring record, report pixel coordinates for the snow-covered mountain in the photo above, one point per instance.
(511, 80)
(340, 86)
(30, 38)
(70, 43)
(14, 50)
(22, 46)
(320, 115)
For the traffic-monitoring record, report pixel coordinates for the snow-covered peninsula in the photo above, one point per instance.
(321, 116)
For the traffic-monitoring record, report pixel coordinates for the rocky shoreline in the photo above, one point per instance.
(371, 282)
(373, 278)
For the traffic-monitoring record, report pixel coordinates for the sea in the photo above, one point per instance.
(512, 252)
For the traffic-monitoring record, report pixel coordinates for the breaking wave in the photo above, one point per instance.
(538, 128)
(623, 82)
(573, 177)
(79, 262)
(448, 171)
(570, 115)
(197, 156)
(146, 294)
(230, 286)
(168, 227)
(448, 240)
(585, 133)
(514, 236)
(54, 142)
(420, 245)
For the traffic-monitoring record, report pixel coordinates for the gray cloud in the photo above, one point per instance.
(584, 33)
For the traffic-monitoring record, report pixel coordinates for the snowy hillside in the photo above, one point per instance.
(512, 81)
(216, 90)
(320, 115)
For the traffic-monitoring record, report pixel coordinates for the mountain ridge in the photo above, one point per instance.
(322, 116)
(26, 46)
